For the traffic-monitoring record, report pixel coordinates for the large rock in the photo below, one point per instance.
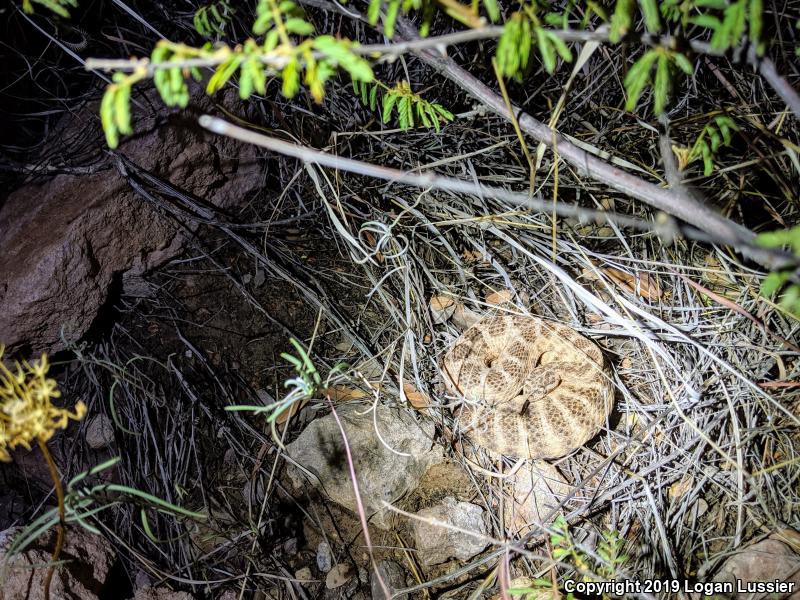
(87, 557)
(65, 241)
(386, 470)
(769, 560)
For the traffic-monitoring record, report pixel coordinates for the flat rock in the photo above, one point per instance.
(764, 561)
(88, 559)
(99, 432)
(394, 578)
(384, 473)
(437, 542)
(537, 491)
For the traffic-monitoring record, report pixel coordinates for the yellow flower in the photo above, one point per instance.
(27, 413)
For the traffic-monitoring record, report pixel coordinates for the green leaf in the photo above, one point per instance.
(107, 117)
(707, 21)
(289, 87)
(662, 82)
(388, 103)
(446, 114)
(779, 238)
(560, 46)
(339, 52)
(492, 9)
(652, 18)
(684, 64)
(391, 18)
(223, 73)
(373, 97)
(774, 282)
(708, 165)
(374, 11)
(122, 109)
(756, 23)
(298, 26)
(621, 20)
(546, 50)
(637, 78)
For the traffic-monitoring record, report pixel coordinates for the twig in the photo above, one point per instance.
(60, 528)
(433, 181)
(678, 205)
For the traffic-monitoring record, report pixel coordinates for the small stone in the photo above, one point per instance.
(290, 546)
(99, 432)
(436, 543)
(260, 278)
(303, 576)
(394, 578)
(324, 557)
(338, 576)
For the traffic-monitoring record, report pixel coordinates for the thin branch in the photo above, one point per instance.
(429, 180)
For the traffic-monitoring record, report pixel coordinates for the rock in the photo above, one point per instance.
(764, 561)
(324, 557)
(384, 475)
(253, 492)
(67, 241)
(394, 578)
(338, 576)
(12, 507)
(99, 432)
(161, 593)
(303, 576)
(538, 489)
(436, 543)
(88, 557)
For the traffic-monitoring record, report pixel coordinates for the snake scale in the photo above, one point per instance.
(530, 388)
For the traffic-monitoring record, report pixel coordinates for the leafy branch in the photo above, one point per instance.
(212, 19)
(781, 282)
(716, 134)
(522, 30)
(640, 74)
(313, 60)
(412, 109)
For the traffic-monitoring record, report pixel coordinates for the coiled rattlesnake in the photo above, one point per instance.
(531, 388)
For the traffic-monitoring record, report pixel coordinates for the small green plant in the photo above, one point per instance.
(726, 22)
(307, 384)
(730, 20)
(521, 32)
(716, 134)
(81, 504)
(211, 19)
(302, 387)
(780, 282)
(640, 74)
(412, 109)
(27, 416)
(564, 549)
(59, 7)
